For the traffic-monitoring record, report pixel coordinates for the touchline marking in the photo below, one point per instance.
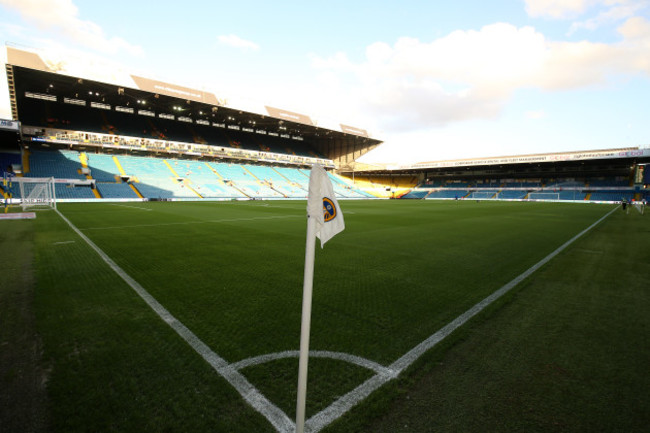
(352, 398)
(255, 399)
(338, 408)
(225, 220)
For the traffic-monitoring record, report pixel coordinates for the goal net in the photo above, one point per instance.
(640, 206)
(33, 193)
(482, 194)
(544, 196)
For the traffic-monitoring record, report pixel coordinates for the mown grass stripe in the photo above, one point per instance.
(352, 398)
(273, 414)
(182, 223)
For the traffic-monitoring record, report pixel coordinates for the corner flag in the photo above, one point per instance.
(322, 205)
(324, 220)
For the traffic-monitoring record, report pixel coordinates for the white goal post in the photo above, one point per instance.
(33, 192)
(544, 196)
(483, 194)
(640, 206)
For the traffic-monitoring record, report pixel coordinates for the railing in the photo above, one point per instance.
(109, 141)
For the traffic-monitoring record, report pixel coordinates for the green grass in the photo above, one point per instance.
(566, 352)
(232, 273)
(22, 390)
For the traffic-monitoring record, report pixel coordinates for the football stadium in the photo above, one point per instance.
(153, 257)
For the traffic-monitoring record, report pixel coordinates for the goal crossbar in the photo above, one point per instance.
(543, 195)
(34, 192)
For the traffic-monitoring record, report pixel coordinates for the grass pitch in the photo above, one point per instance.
(232, 273)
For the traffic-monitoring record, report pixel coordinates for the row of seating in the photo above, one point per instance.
(527, 184)
(157, 178)
(486, 194)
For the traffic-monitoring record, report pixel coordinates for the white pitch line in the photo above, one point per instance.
(352, 398)
(255, 399)
(132, 207)
(225, 220)
(346, 357)
(273, 414)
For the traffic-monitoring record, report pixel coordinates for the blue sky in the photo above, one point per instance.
(434, 80)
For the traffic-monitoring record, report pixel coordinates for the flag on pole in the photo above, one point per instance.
(322, 205)
(324, 220)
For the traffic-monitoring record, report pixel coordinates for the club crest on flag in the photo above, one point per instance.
(329, 209)
(322, 207)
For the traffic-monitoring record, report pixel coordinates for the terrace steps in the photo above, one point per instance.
(214, 171)
(83, 158)
(136, 190)
(26, 154)
(171, 168)
(119, 166)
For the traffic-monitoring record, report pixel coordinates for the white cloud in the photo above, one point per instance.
(635, 29)
(606, 11)
(62, 16)
(619, 10)
(237, 42)
(472, 74)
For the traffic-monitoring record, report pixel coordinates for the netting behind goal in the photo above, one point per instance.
(544, 196)
(640, 206)
(482, 194)
(33, 193)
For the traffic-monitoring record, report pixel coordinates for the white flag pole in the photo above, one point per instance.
(307, 286)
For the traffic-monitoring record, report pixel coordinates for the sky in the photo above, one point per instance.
(434, 80)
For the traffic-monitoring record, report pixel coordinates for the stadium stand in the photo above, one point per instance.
(103, 168)
(448, 193)
(597, 188)
(277, 182)
(296, 176)
(611, 196)
(608, 182)
(239, 177)
(346, 189)
(8, 159)
(132, 141)
(119, 176)
(416, 194)
(63, 164)
(153, 179)
(116, 190)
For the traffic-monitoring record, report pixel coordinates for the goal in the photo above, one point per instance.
(33, 193)
(483, 194)
(544, 196)
(640, 206)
